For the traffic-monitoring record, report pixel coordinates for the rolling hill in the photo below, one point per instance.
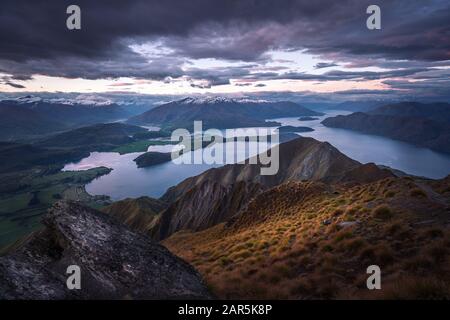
(97, 137)
(20, 123)
(17, 156)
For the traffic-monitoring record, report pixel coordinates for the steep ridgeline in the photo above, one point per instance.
(425, 125)
(115, 263)
(303, 158)
(218, 194)
(139, 214)
(203, 206)
(219, 113)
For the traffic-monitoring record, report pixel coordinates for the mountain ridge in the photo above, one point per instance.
(216, 195)
(219, 113)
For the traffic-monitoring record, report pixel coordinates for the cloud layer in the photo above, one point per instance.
(161, 40)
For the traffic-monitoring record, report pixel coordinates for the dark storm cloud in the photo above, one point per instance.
(35, 40)
(9, 81)
(15, 85)
(243, 84)
(40, 25)
(322, 65)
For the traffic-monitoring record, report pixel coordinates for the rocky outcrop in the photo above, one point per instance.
(115, 262)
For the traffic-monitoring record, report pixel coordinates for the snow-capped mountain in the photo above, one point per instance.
(217, 99)
(84, 100)
(219, 112)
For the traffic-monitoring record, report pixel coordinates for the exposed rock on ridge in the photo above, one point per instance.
(115, 262)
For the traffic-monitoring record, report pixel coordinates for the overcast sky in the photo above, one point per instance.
(225, 46)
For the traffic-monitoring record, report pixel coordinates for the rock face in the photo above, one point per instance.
(204, 206)
(115, 262)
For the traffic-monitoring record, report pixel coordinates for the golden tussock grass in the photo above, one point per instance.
(293, 254)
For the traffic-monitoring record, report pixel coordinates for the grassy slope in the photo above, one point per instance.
(290, 243)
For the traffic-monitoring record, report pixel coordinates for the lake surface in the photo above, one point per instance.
(380, 150)
(126, 180)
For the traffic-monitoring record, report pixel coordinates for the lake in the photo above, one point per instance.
(128, 181)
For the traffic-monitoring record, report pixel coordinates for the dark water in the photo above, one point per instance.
(126, 180)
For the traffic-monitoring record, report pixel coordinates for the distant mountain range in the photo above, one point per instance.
(31, 117)
(434, 111)
(425, 125)
(360, 105)
(219, 113)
